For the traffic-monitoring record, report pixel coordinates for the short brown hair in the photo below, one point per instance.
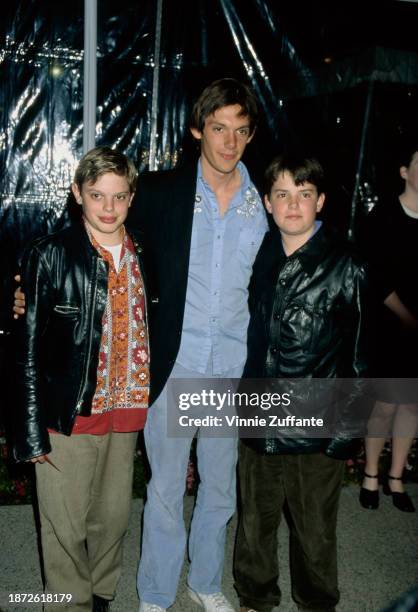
(224, 92)
(302, 170)
(99, 161)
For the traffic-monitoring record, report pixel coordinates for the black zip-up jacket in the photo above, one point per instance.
(58, 340)
(163, 208)
(308, 320)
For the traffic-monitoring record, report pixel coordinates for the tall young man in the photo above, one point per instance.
(204, 225)
(307, 299)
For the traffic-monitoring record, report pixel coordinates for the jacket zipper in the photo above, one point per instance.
(88, 352)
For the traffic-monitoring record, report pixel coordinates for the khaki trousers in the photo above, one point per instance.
(84, 511)
(308, 487)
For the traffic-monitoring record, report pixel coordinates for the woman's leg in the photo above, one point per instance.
(378, 428)
(404, 430)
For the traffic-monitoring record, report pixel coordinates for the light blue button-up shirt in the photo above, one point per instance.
(223, 249)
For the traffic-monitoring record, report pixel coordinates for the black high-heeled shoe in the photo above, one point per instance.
(401, 501)
(369, 499)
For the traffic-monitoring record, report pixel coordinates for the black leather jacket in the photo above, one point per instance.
(307, 321)
(58, 340)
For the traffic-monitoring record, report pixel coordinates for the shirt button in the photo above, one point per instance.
(216, 265)
(282, 282)
(218, 236)
(276, 316)
(273, 350)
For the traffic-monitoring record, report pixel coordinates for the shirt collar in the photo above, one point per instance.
(127, 245)
(312, 252)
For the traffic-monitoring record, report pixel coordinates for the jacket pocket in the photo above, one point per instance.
(66, 310)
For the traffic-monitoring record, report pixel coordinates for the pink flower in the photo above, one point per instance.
(138, 312)
(140, 356)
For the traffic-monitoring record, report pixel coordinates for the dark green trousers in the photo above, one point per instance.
(309, 487)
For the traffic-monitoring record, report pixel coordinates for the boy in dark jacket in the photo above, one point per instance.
(83, 372)
(307, 321)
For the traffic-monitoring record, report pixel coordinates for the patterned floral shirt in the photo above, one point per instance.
(121, 398)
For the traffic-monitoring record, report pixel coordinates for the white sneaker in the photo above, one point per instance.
(147, 607)
(214, 602)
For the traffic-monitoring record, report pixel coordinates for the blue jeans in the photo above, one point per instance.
(164, 534)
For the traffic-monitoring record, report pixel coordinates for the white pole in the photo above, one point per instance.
(153, 162)
(90, 74)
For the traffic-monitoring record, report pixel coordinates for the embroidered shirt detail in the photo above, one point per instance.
(123, 369)
(250, 204)
(197, 204)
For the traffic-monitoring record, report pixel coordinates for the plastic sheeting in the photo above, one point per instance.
(280, 52)
(42, 59)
